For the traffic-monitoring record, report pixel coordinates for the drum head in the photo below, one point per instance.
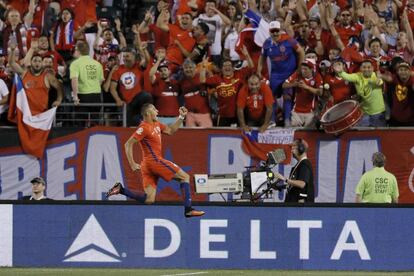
(339, 111)
(341, 117)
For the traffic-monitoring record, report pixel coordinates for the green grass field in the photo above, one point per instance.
(182, 272)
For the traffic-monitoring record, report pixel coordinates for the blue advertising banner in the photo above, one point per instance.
(334, 238)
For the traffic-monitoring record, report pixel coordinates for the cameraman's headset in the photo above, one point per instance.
(302, 147)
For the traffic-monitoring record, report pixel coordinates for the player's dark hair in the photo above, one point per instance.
(145, 107)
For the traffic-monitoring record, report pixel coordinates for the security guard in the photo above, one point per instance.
(377, 185)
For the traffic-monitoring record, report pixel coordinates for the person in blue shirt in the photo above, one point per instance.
(284, 54)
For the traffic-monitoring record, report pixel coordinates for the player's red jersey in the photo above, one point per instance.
(149, 137)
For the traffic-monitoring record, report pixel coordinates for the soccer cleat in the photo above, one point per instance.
(115, 190)
(193, 213)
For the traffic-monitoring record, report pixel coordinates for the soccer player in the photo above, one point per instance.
(154, 165)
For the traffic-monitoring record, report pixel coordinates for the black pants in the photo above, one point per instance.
(93, 118)
(134, 108)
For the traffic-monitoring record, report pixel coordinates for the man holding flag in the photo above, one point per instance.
(29, 103)
(285, 56)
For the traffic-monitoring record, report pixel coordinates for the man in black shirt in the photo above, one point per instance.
(300, 181)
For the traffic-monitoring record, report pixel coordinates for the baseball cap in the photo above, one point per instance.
(163, 64)
(38, 179)
(325, 63)
(274, 25)
(309, 63)
(368, 60)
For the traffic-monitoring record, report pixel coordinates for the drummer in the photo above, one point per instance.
(307, 87)
(369, 89)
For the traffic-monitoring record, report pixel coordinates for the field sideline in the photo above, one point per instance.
(182, 272)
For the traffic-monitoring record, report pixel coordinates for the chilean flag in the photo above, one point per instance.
(259, 26)
(258, 145)
(33, 130)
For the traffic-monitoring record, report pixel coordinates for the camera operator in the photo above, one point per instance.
(300, 181)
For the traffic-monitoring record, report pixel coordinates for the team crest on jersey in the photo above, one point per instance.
(312, 82)
(30, 84)
(282, 48)
(128, 79)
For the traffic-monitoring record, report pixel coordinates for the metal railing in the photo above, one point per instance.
(68, 114)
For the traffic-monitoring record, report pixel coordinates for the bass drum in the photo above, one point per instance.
(341, 117)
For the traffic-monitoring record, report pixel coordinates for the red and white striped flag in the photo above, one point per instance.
(33, 130)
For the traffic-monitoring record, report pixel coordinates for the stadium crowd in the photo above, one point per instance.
(235, 63)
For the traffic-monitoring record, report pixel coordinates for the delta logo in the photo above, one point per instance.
(92, 245)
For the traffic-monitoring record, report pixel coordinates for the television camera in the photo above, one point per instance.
(259, 181)
(254, 183)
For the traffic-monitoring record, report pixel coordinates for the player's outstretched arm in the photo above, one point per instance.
(129, 153)
(171, 129)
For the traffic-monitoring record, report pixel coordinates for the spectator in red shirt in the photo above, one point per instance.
(165, 91)
(127, 81)
(195, 97)
(40, 16)
(307, 86)
(201, 47)
(255, 104)
(376, 53)
(339, 89)
(160, 36)
(20, 5)
(226, 87)
(182, 33)
(346, 28)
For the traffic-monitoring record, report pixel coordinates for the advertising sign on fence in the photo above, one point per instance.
(86, 164)
(347, 238)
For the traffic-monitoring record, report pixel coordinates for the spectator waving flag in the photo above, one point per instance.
(33, 130)
(259, 26)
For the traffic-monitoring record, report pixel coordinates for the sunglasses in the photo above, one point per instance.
(274, 31)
